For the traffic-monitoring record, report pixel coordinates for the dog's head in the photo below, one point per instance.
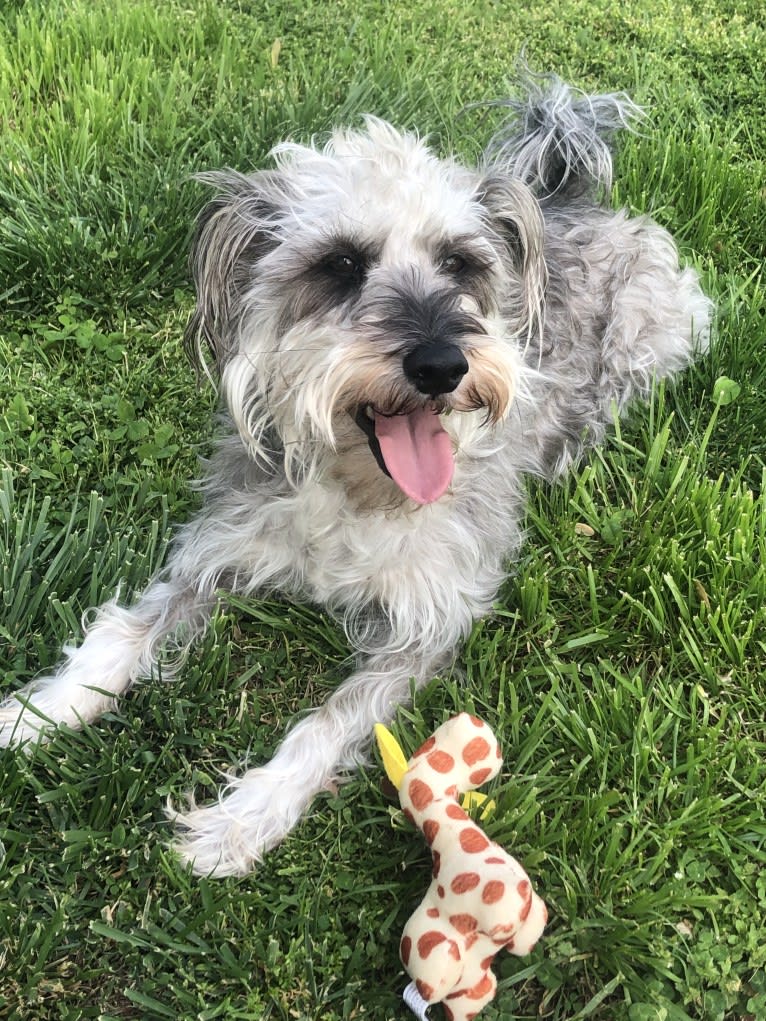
(353, 297)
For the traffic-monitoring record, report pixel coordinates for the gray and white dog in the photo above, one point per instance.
(400, 339)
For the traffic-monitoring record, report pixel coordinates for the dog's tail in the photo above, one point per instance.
(557, 138)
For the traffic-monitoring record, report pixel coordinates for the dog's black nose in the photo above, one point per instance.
(435, 368)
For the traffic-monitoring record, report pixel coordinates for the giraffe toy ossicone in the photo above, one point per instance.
(480, 899)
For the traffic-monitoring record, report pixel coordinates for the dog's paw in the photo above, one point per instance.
(25, 716)
(229, 838)
(32, 712)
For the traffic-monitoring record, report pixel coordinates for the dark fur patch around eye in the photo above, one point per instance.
(333, 277)
(454, 264)
(345, 267)
(458, 260)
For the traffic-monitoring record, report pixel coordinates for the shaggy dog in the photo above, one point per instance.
(399, 340)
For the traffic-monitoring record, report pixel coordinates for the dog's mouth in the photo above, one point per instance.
(412, 448)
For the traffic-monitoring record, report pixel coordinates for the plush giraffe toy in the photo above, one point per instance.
(480, 899)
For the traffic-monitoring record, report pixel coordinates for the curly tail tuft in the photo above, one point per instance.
(558, 138)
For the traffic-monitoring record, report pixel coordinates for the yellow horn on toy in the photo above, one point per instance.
(392, 755)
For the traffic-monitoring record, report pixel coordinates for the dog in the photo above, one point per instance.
(399, 340)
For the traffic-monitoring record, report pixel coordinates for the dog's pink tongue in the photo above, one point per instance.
(417, 452)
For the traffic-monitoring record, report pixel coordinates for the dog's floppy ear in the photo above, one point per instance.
(233, 232)
(514, 214)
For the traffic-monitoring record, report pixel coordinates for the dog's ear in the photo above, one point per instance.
(515, 217)
(233, 232)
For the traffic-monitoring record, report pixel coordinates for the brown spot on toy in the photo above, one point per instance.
(440, 890)
(405, 949)
(425, 747)
(424, 989)
(494, 861)
(477, 722)
(437, 864)
(465, 881)
(525, 890)
(472, 840)
(421, 794)
(464, 923)
(493, 891)
(428, 941)
(430, 829)
(478, 776)
(456, 812)
(476, 750)
(441, 761)
(433, 912)
(456, 994)
(480, 990)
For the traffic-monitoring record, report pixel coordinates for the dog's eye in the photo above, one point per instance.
(453, 264)
(345, 266)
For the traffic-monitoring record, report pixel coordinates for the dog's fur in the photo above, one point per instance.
(376, 314)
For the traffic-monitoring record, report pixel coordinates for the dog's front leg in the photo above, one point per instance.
(257, 810)
(121, 644)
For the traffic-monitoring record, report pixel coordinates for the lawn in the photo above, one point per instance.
(624, 664)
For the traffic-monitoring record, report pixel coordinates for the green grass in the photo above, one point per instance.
(624, 665)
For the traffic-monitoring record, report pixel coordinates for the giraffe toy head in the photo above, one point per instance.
(480, 900)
